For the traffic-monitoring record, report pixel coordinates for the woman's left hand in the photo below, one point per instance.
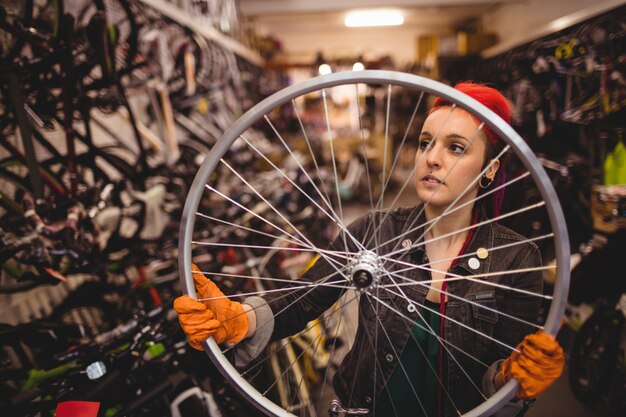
(538, 364)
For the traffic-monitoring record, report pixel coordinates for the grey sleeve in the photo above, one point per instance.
(515, 407)
(488, 386)
(248, 349)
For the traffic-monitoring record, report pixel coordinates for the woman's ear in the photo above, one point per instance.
(493, 169)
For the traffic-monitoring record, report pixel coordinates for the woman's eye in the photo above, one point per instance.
(457, 149)
(423, 144)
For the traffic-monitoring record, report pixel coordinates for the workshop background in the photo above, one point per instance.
(109, 107)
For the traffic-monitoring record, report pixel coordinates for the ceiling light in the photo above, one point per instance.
(382, 17)
(324, 69)
(358, 66)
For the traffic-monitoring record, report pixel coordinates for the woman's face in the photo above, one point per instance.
(446, 164)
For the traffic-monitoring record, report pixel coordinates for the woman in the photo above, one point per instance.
(447, 352)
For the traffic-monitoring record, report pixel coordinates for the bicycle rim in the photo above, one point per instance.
(222, 159)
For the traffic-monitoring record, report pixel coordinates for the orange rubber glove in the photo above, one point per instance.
(220, 318)
(538, 364)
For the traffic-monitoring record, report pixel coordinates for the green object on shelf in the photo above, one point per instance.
(615, 166)
(37, 376)
(110, 412)
(155, 350)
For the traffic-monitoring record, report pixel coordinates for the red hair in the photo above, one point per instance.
(488, 97)
(496, 102)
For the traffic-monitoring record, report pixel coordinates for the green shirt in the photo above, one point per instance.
(413, 388)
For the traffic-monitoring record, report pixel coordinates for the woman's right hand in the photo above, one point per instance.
(216, 316)
(536, 363)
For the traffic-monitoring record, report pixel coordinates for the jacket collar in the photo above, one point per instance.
(470, 261)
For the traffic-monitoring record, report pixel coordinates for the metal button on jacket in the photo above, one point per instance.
(389, 357)
(474, 263)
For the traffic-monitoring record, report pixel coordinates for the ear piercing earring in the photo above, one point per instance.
(482, 184)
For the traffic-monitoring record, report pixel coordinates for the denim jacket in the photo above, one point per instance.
(478, 331)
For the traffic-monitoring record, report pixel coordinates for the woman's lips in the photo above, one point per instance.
(431, 180)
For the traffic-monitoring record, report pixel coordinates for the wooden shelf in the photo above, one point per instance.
(183, 18)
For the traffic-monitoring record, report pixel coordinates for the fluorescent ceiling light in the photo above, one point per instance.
(383, 17)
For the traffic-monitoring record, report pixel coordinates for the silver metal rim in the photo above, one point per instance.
(410, 81)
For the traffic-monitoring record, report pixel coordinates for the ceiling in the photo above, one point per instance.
(330, 13)
(277, 7)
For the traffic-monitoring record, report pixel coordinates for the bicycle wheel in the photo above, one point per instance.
(121, 21)
(282, 157)
(595, 354)
(10, 13)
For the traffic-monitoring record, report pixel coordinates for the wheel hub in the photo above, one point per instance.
(365, 271)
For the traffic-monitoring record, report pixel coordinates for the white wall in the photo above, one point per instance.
(400, 42)
(304, 34)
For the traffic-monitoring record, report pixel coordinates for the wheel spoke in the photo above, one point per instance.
(458, 198)
(275, 210)
(474, 278)
(441, 340)
(366, 159)
(442, 317)
(398, 356)
(333, 217)
(328, 254)
(256, 277)
(410, 177)
(465, 229)
(411, 266)
(456, 297)
(332, 156)
(342, 304)
(248, 229)
(313, 158)
(308, 327)
(412, 228)
(293, 363)
(406, 134)
(381, 199)
(263, 219)
(274, 231)
(333, 284)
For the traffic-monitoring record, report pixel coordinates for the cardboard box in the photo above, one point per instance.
(459, 44)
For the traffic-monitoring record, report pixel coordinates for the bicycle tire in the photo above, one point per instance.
(384, 78)
(594, 355)
(129, 35)
(25, 14)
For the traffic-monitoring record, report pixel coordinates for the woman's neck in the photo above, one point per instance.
(448, 225)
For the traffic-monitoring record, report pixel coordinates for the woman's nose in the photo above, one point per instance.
(433, 155)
